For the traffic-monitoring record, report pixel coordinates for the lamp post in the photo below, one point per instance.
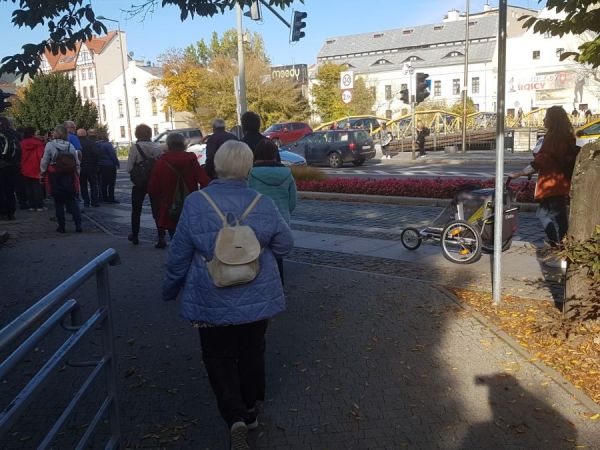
(409, 70)
(465, 83)
(127, 117)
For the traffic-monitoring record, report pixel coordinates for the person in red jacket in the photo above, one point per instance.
(174, 163)
(32, 150)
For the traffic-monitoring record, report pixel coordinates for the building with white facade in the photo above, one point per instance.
(535, 75)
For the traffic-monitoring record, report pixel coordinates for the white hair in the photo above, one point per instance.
(233, 160)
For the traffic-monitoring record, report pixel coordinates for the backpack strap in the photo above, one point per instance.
(214, 206)
(140, 151)
(250, 207)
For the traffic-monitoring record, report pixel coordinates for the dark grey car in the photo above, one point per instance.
(335, 147)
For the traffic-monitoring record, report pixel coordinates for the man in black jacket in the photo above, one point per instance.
(10, 163)
(213, 143)
(251, 128)
(89, 169)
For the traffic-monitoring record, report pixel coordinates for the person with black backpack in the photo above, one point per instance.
(61, 163)
(142, 158)
(10, 158)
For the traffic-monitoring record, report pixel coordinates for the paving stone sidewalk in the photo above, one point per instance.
(358, 361)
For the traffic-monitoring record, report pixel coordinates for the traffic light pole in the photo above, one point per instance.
(465, 83)
(242, 103)
(414, 127)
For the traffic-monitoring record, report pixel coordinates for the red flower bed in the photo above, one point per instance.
(429, 188)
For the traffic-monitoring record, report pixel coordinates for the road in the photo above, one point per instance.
(402, 169)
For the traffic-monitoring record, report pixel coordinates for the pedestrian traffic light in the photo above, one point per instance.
(404, 96)
(298, 24)
(422, 87)
(4, 104)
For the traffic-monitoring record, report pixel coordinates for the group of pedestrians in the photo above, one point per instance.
(31, 169)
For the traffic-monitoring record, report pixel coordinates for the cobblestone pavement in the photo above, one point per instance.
(358, 361)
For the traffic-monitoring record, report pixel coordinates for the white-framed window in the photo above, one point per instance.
(85, 92)
(456, 86)
(536, 54)
(437, 88)
(136, 106)
(122, 131)
(92, 93)
(154, 105)
(120, 108)
(475, 85)
(83, 74)
(90, 74)
(388, 91)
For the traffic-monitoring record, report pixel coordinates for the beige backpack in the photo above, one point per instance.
(236, 250)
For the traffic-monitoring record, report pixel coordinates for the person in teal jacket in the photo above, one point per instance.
(273, 180)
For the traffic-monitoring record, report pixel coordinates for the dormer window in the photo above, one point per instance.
(438, 27)
(408, 31)
(453, 54)
(413, 59)
(330, 41)
(381, 61)
(378, 35)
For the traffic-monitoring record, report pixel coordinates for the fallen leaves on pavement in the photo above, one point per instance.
(532, 324)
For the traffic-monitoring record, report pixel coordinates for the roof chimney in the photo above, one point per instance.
(452, 16)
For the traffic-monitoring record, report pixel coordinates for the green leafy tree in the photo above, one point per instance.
(199, 79)
(581, 18)
(48, 101)
(327, 97)
(70, 21)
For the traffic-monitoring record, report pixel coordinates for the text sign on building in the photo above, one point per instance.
(346, 96)
(296, 72)
(346, 80)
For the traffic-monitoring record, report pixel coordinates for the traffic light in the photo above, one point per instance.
(422, 88)
(404, 96)
(4, 104)
(254, 12)
(298, 24)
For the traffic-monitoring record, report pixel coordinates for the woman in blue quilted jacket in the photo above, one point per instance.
(232, 320)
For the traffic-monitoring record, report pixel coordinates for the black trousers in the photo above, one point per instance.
(109, 178)
(138, 194)
(21, 191)
(234, 357)
(421, 147)
(63, 192)
(89, 177)
(34, 192)
(8, 180)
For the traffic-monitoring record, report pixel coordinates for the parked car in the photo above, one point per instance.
(192, 136)
(368, 124)
(287, 158)
(288, 132)
(335, 147)
(587, 133)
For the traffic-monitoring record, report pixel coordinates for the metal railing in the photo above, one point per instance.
(60, 307)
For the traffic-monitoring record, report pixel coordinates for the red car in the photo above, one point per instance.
(287, 132)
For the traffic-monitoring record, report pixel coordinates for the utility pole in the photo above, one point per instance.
(242, 103)
(408, 70)
(465, 82)
(499, 204)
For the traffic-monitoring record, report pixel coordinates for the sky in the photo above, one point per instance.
(163, 29)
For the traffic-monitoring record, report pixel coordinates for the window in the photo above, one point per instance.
(559, 51)
(136, 106)
(438, 27)
(456, 86)
(90, 74)
(547, 35)
(407, 31)
(476, 105)
(155, 129)
(92, 92)
(388, 113)
(154, 106)
(122, 130)
(437, 88)
(388, 91)
(104, 113)
(133, 81)
(536, 54)
(83, 74)
(475, 85)
(378, 35)
(167, 118)
(85, 92)
(403, 86)
(120, 107)
(381, 61)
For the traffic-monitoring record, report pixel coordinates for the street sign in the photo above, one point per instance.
(346, 80)
(346, 96)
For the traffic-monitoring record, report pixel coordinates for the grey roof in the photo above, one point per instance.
(422, 35)
(428, 57)
(153, 70)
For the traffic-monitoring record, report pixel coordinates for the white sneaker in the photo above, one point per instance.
(239, 433)
(556, 263)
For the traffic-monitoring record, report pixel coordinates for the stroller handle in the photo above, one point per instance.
(507, 184)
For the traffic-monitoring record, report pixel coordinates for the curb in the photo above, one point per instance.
(391, 200)
(553, 374)
(455, 161)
